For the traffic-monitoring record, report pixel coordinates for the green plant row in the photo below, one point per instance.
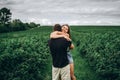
(102, 51)
(24, 58)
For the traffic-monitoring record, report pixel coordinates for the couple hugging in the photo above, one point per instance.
(60, 45)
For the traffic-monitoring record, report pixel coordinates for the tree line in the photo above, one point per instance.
(9, 25)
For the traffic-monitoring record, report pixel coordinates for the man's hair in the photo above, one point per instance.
(57, 27)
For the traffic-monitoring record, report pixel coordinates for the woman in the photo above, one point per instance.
(66, 34)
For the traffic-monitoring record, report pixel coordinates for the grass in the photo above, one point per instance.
(81, 68)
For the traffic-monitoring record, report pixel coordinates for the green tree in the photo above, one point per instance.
(32, 25)
(17, 25)
(5, 15)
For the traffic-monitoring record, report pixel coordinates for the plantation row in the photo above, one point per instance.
(102, 52)
(24, 58)
(25, 55)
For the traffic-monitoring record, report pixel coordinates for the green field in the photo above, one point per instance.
(24, 55)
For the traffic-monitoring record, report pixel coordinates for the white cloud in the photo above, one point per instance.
(42, 21)
(65, 11)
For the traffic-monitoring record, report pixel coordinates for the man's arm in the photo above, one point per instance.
(71, 46)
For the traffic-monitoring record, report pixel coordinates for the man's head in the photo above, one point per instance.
(57, 27)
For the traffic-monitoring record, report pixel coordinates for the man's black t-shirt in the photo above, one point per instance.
(58, 48)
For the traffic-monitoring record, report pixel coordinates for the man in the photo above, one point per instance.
(58, 48)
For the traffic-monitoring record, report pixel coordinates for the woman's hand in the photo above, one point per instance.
(67, 38)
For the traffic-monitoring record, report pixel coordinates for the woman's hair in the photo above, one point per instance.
(68, 29)
(57, 27)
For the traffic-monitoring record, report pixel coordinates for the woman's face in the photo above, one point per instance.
(65, 29)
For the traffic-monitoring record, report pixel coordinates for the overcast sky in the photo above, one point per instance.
(73, 12)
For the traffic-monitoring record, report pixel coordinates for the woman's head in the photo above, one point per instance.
(66, 28)
(57, 27)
